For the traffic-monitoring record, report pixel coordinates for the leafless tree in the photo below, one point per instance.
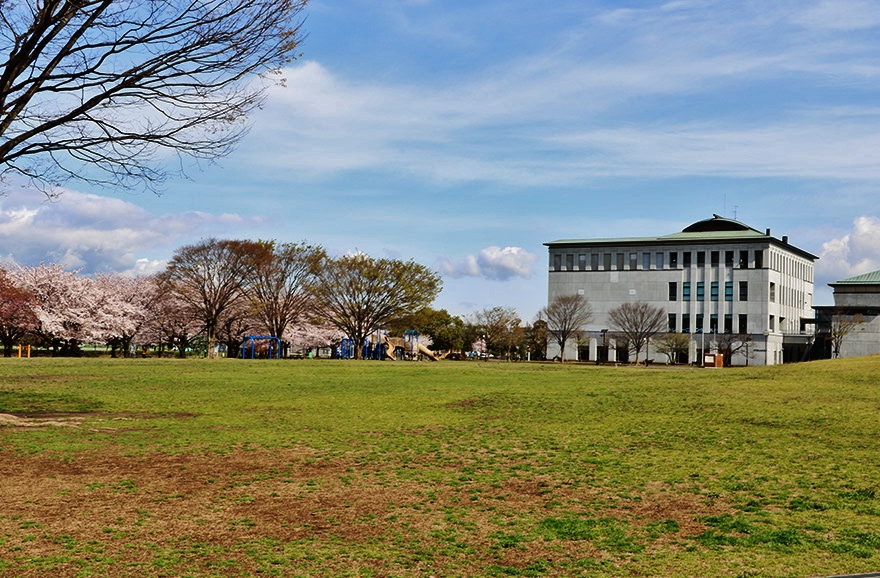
(566, 315)
(209, 278)
(99, 90)
(171, 321)
(730, 344)
(281, 274)
(842, 324)
(637, 322)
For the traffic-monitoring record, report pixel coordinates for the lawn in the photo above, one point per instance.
(161, 467)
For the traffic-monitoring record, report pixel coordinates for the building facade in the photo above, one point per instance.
(855, 316)
(730, 287)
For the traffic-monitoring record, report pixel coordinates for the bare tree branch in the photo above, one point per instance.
(565, 316)
(842, 324)
(99, 90)
(638, 322)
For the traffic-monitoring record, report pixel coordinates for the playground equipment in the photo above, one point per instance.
(26, 348)
(374, 346)
(345, 349)
(274, 348)
(407, 347)
(380, 346)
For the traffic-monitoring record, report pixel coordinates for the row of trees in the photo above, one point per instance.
(215, 290)
(219, 291)
(635, 323)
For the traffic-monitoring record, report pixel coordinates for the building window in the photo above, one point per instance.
(759, 259)
(686, 323)
(569, 262)
(606, 261)
(701, 291)
(715, 255)
(686, 291)
(743, 290)
(672, 322)
(728, 258)
(743, 323)
(673, 260)
(659, 260)
(582, 262)
(713, 291)
(728, 323)
(728, 290)
(557, 262)
(594, 261)
(743, 259)
(673, 291)
(620, 261)
(646, 261)
(772, 292)
(713, 323)
(772, 323)
(633, 261)
(701, 258)
(699, 327)
(686, 259)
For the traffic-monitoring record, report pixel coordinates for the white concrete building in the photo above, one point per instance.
(856, 298)
(716, 278)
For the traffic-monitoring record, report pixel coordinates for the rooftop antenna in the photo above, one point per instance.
(734, 211)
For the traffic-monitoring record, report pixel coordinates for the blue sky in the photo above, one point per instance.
(464, 134)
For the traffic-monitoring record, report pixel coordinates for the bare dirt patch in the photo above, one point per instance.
(56, 420)
(157, 514)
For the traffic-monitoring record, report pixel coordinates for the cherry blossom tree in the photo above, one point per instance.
(17, 316)
(123, 309)
(306, 335)
(63, 305)
(171, 321)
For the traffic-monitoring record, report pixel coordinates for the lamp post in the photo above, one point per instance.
(604, 347)
(702, 348)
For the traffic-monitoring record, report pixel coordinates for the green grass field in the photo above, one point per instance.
(152, 467)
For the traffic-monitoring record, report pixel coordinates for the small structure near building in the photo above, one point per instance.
(850, 327)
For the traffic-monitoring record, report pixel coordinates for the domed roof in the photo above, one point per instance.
(715, 224)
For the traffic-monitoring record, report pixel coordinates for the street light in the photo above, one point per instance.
(604, 348)
(702, 347)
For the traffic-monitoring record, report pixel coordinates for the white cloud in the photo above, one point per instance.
(493, 263)
(854, 253)
(570, 110)
(841, 15)
(97, 234)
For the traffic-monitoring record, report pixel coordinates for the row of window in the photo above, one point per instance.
(790, 266)
(622, 261)
(713, 291)
(789, 296)
(743, 320)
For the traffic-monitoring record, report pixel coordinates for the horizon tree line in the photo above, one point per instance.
(218, 291)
